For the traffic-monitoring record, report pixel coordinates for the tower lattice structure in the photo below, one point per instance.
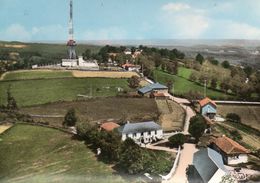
(71, 44)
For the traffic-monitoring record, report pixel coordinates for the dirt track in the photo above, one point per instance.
(105, 74)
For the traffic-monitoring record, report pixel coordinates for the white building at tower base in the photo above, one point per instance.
(81, 64)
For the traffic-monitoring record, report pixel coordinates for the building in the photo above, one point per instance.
(208, 166)
(128, 51)
(208, 108)
(72, 61)
(232, 152)
(159, 96)
(144, 132)
(109, 126)
(131, 67)
(81, 64)
(153, 88)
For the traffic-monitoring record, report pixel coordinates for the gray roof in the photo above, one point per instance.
(207, 162)
(151, 87)
(139, 127)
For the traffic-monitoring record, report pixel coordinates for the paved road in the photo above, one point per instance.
(186, 159)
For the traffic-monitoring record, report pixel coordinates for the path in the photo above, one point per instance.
(186, 159)
(160, 148)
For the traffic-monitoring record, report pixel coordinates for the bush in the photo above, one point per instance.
(233, 117)
(177, 140)
(235, 135)
(70, 118)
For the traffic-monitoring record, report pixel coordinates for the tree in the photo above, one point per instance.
(248, 70)
(11, 102)
(193, 77)
(177, 140)
(87, 54)
(225, 64)
(172, 67)
(233, 117)
(169, 84)
(70, 118)
(131, 157)
(214, 83)
(134, 81)
(199, 58)
(197, 126)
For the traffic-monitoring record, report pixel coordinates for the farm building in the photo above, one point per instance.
(144, 132)
(109, 126)
(231, 151)
(208, 166)
(131, 67)
(153, 88)
(208, 108)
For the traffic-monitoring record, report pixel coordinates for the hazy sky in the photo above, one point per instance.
(34, 20)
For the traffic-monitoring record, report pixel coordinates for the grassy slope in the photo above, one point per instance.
(32, 92)
(38, 154)
(23, 75)
(182, 85)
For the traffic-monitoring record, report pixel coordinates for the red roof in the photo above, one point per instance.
(206, 101)
(229, 146)
(109, 126)
(128, 65)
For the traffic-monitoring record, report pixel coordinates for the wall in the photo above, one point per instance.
(145, 137)
(242, 158)
(208, 109)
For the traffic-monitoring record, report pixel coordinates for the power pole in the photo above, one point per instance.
(205, 88)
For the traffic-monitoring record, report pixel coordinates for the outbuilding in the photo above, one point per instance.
(153, 88)
(232, 152)
(208, 108)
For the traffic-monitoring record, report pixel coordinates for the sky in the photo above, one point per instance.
(47, 20)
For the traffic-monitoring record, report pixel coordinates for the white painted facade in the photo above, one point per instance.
(145, 137)
(80, 63)
(233, 160)
(217, 177)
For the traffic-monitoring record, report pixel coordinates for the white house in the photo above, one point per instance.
(208, 108)
(232, 152)
(80, 63)
(208, 166)
(144, 132)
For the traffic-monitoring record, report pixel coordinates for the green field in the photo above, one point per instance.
(184, 72)
(23, 75)
(183, 86)
(33, 92)
(39, 154)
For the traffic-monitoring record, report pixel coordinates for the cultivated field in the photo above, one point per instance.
(35, 74)
(4, 127)
(37, 154)
(249, 114)
(40, 91)
(103, 74)
(122, 109)
(250, 137)
(172, 115)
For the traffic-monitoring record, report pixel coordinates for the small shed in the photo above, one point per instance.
(208, 108)
(232, 152)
